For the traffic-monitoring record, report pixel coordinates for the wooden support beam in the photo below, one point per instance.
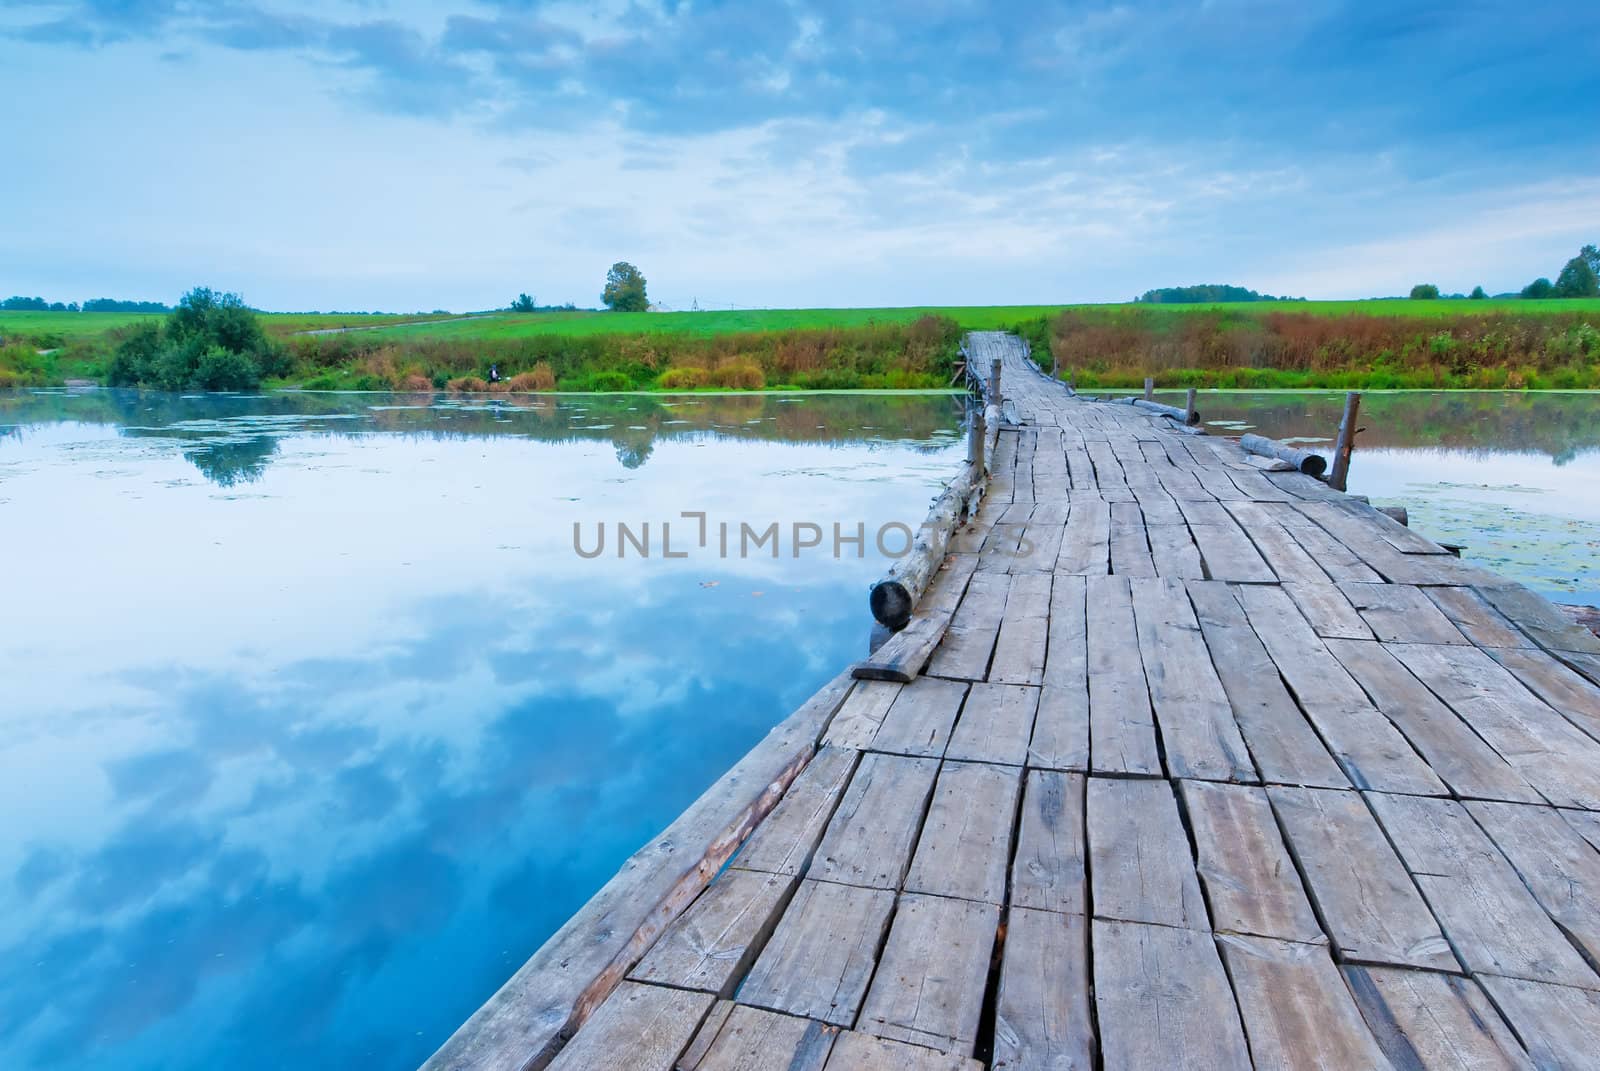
(1307, 461)
(1346, 443)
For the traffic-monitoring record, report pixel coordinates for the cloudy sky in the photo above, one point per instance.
(395, 154)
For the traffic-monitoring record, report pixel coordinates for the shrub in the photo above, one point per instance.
(416, 382)
(610, 381)
(739, 376)
(468, 385)
(1424, 292)
(537, 378)
(686, 378)
(219, 368)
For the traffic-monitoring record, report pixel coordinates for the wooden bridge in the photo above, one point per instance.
(1209, 767)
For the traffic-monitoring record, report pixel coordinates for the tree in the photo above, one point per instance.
(1539, 288)
(211, 341)
(1577, 279)
(1424, 292)
(524, 303)
(624, 290)
(1591, 256)
(1478, 294)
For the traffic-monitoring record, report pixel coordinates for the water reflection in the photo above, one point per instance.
(316, 727)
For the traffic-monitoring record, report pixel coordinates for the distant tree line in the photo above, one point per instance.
(1579, 278)
(211, 341)
(99, 304)
(527, 303)
(1207, 293)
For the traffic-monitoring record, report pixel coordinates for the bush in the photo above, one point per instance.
(219, 368)
(538, 378)
(468, 385)
(687, 378)
(1424, 292)
(416, 382)
(609, 382)
(739, 376)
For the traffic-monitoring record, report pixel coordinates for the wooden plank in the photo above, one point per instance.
(711, 945)
(1329, 610)
(1140, 868)
(1401, 613)
(785, 839)
(1285, 747)
(1042, 1018)
(1251, 880)
(1190, 704)
(638, 1026)
(1568, 693)
(1492, 920)
(1130, 550)
(921, 718)
(820, 958)
(862, 1052)
(1086, 543)
(904, 654)
(1434, 1022)
(1173, 551)
(1549, 752)
(1163, 1000)
(1048, 872)
(1296, 1008)
(929, 988)
(1061, 728)
(1228, 554)
(858, 719)
(1558, 866)
(966, 839)
(1478, 621)
(753, 1039)
(1372, 910)
(1122, 735)
(995, 724)
(1019, 652)
(1291, 561)
(556, 990)
(949, 583)
(969, 641)
(1559, 1025)
(1371, 750)
(1332, 556)
(1457, 754)
(869, 840)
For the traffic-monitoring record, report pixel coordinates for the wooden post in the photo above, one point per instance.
(1149, 389)
(994, 382)
(975, 434)
(1189, 416)
(1055, 368)
(1346, 442)
(1072, 380)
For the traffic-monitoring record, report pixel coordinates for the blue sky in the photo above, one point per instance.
(401, 155)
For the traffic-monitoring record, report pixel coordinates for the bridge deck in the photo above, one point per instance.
(1213, 768)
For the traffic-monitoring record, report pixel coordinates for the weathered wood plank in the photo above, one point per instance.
(904, 654)
(1371, 750)
(1549, 752)
(1086, 543)
(1402, 613)
(1566, 691)
(1228, 554)
(1248, 874)
(921, 718)
(1373, 911)
(1559, 1025)
(820, 958)
(929, 988)
(1190, 704)
(1477, 620)
(1173, 551)
(1130, 550)
(1296, 1009)
(785, 839)
(1285, 747)
(754, 1039)
(1042, 1013)
(1556, 863)
(869, 840)
(638, 1026)
(1535, 615)
(1329, 610)
(1020, 650)
(1048, 872)
(1332, 556)
(966, 839)
(1434, 1022)
(1492, 920)
(855, 1051)
(1454, 752)
(858, 719)
(711, 945)
(1140, 868)
(969, 641)
(995, 725)
(1122, 736)
(1164, 1001)
(1061, 729)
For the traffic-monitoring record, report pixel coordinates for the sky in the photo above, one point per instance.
(398, 155)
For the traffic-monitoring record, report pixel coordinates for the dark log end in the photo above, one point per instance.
(891, 604)
(1314, 465)
(1193, 418)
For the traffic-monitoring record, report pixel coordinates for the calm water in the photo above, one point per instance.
(314, 724)
(1515, 477)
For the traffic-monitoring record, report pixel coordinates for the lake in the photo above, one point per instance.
(315, 724)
